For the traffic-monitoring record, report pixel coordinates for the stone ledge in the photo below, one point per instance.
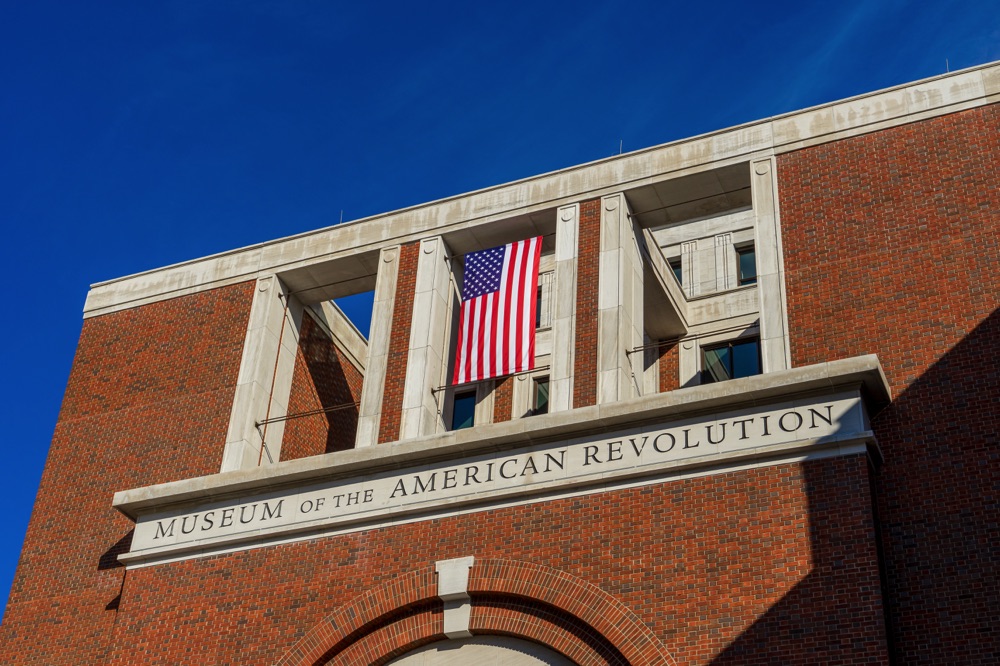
(862, 372)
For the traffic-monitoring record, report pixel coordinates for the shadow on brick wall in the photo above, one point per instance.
(933, 524)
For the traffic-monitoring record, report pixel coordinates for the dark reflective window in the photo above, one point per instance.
(748, 265)
(540, 401)
(675, 266)
(463, 412)
(731, 360)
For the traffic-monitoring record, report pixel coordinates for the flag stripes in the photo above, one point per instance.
(496, 331)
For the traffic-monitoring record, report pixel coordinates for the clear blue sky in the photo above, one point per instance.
(139, 134)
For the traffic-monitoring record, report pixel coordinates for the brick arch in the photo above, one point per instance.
(509, 597)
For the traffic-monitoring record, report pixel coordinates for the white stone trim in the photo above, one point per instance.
(370, 409)
(429, 335)
(264, 381)
(453, 590)
(775, 342)
(564, 309)
(908, 103)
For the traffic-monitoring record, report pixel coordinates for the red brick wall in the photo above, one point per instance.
(503, 399)
(399, 344)
(891, 247)
(669, 366)
(323, 378)
(746, 567)
(148, 401)
(587, 269)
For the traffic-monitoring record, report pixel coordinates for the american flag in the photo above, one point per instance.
(496, 329)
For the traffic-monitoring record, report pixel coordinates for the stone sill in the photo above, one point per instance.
(861, 371)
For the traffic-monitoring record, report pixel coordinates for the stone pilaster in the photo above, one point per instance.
(620, 303)
(564, 309)
(428, 354)
(265, 378)
(775, 349)
(370, 409)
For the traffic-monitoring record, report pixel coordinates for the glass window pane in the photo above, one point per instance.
(748, 266)
(463, 413)
(746, 359)
(541, 396)
(676, 266)
(717, 364)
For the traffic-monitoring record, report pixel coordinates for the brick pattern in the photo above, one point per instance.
(669, 366)
(745, 567)
(323, 378)
(503, 399)
(399, 344)
(587, 274)
(148, 401)
(891, 247)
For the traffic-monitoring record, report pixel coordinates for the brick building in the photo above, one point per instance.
(761, 428)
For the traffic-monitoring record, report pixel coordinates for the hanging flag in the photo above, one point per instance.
(496, 328)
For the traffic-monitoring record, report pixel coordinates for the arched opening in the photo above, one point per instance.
(484, 651)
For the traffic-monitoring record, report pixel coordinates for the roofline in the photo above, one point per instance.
(933, 102)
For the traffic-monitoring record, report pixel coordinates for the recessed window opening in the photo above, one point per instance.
(675, 266)
(730, 360)
(540, 396)
(463, 412)
(746, 259)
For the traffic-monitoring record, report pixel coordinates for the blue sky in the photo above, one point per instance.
(134, 135)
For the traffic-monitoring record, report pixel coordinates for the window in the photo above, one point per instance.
(730, 360)
(675, 266)
(540, 396)
(463, 411)
(746, 259)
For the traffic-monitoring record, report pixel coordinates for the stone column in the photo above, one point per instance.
(725, 262)
(265, 378)
(619, 303)
(774, 343)
(370, 409)
(427, 357)
(690, 268)
(564, 309)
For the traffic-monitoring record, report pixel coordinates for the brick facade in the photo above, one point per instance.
(587, 269)
(669, 366)
(891, 247)
(148, 401)
(399, 344)
(324, 379)
(715, 567)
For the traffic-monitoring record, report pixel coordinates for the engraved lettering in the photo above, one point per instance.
(160, 531)
(400, 488)
(742, 423)
(194, 523)
(722, 434)
(503, 466)
(798, 423)
(421, 487)
(243, 512)
(549, 458)
(638, 449)
(267, 512)
(815, 414)
(615, 451)
(590, 453)
(656, 442)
